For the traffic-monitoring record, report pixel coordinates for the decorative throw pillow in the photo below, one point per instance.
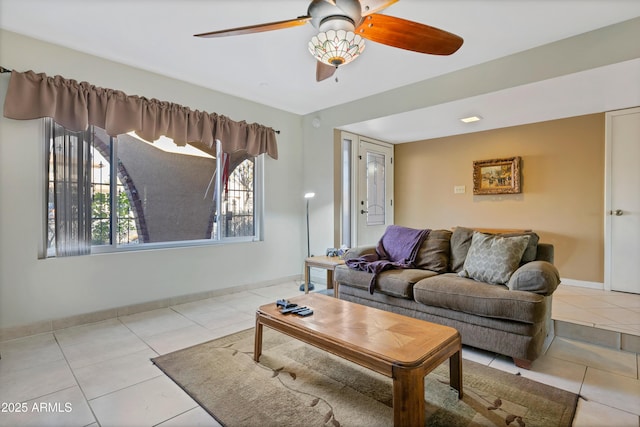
(493, 258)
(531, 252)
(434, 252)
(460, 243)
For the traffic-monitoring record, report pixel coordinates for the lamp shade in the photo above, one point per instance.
(336, 47)
(309, 195)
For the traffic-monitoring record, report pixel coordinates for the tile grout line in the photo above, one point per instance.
(75, 378)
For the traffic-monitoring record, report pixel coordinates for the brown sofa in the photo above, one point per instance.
(512, 318)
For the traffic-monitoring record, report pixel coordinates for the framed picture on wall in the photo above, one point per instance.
(496, 176)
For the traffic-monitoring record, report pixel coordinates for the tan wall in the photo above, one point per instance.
(562, 187)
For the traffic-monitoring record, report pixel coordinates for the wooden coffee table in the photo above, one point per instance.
(400, 347)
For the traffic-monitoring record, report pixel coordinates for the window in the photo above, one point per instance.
(142, 195)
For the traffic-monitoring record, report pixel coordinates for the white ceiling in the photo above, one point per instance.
(275, 68)
(607, 88)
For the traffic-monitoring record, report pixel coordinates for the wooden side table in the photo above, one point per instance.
(329, 263)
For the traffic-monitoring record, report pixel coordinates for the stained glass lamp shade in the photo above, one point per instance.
(336, 47)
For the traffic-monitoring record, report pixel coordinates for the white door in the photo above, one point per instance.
(622, 227)
(374, 201)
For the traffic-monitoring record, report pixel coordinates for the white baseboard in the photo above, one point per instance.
(45, 326)
(582, 283)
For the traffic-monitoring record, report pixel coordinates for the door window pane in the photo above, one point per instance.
(375, 189)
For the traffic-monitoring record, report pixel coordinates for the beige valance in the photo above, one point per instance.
(77, 105)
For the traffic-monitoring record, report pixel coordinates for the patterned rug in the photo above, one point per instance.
(296, 384)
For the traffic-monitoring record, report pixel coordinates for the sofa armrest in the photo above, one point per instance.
(359, 251)
(540, 277)
(545, 252)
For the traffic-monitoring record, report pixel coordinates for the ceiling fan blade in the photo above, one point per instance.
(300, 20)
(324, 71)
(373, 6)
(409, 35)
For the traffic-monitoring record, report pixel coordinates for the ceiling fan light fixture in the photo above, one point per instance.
(336, 47)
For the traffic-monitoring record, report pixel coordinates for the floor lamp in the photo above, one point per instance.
(308, 196)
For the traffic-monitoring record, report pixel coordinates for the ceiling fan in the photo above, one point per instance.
(344, 24)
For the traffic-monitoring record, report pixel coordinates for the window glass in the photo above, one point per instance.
(237, 217)
(100, 196)
(375, 189)
(160, 194)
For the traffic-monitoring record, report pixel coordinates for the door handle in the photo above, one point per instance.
(362, 211)
(617, 212)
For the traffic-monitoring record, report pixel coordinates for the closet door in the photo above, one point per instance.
(622, 200)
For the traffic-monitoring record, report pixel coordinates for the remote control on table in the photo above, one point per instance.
(292, 310)
(306, 312)
(283, 303)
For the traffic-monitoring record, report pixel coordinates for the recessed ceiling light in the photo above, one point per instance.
(471, 119)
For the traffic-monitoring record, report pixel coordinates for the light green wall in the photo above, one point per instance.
(33, 290)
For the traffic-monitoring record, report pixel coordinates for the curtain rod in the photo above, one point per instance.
(7, 70)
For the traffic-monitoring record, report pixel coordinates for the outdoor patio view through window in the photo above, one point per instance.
(144, 194)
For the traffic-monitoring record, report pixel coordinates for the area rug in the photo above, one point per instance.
(296, 384)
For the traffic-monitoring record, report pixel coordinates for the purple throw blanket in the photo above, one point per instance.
(397, 248)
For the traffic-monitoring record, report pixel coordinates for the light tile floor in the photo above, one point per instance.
(100, 374)
(616, 311)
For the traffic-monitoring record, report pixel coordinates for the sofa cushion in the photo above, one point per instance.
(460, 243)
(453, 292)
(540, 277)
(532, 246)
(434, 252)
(397, 283)
(493, 258)
(439, 315)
